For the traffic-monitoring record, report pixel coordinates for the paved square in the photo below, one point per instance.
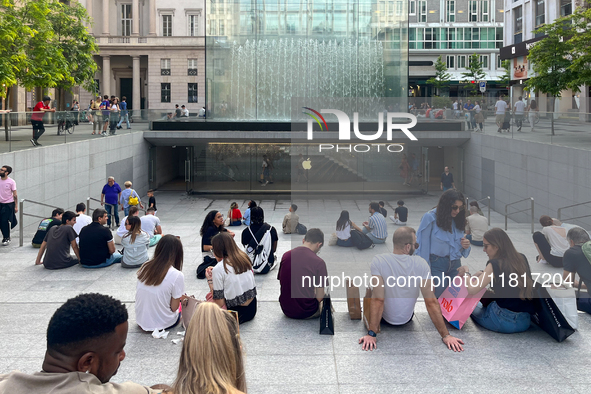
(289, 356)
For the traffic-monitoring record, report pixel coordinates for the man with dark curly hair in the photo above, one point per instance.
(85, 340)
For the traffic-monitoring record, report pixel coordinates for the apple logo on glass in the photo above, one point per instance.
(307, 164)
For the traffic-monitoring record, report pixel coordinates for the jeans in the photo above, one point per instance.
(124, 118)
(6, 216)
(445, 188)
(545, 248)
(373, 238)
(445, 270)
(115, 258)
(519, 120)
(38, 129)
(477, 243)
(126, 210)
(501, 320)
(154, 239)
(347, 243)
(115, 213)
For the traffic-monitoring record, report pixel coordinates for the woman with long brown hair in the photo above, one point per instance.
(233, 278)
(508, 273)
(161, 286)
(211, 359)
(441, 238)
(135, 243)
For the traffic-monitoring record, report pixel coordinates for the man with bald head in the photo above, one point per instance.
(400, 277)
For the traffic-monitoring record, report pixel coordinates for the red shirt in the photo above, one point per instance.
(37, 113)
(236, 214)
(297, 301)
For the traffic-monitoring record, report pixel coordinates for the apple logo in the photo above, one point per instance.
(307, 164)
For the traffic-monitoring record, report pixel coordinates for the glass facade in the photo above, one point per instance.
(268, 53)
(455, 37)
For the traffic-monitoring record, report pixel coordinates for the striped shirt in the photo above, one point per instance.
(377, 224)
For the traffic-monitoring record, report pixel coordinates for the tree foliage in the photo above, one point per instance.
(474, 72)
(45, 43)
(442, 77)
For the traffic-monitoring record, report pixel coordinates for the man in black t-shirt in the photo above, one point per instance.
(97, 248)
(56, 245)
(152, 200)
(400, 214)
(45, 225)
(447, 180)
(383, 210)
(575, 261)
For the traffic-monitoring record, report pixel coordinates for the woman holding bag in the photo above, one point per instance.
(128, 198)
(510, 277)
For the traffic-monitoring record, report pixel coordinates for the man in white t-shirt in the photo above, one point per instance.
(121, 231)
(400, 277)
(82, 219)
(500, 109)
(519, 112)
(151, 225)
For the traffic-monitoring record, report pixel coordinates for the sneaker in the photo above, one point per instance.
(499, 130)
(90, 123)
(34, 144)
(372, 246)
(5, 242)
(37, 143)
(519, 128)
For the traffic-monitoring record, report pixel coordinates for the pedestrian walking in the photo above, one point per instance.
(8, 207)
(37, 119)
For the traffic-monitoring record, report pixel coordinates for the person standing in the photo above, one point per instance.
(129, 198)
(95, 107)
(8, 206)
(404, 170)
(37, 119)
(519, 112)
(532, 112)
(469, 107)
(106, 107)
(152, 201)
(441, 239)
(113, 115)
(447, 180)
(478, 117)
(124, 113)
(500, 109)
(111, 194)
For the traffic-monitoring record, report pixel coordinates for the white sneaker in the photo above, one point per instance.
(392, 218)
(5, 242)
(90, 123)
(542, 261)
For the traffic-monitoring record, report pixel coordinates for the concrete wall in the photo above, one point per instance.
(64, 175)
(167, 164)
(554, 176)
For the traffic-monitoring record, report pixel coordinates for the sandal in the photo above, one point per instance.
(93, 133)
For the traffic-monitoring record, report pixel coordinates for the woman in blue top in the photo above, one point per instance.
(442, 241)
(246, 215)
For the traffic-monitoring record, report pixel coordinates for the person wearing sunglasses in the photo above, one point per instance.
(211, 359)
(398, 278)
(442, 241)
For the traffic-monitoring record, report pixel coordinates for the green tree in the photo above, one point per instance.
(474, 72)
(441, 78)
(13, 36)
(506, 77)
(551, 60)
(581, 42)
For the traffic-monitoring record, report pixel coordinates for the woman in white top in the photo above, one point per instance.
(135, 244)
(114, 115)
(478, 116)
(233, 278)
(551, 242)
(344, 230)
(161, 287)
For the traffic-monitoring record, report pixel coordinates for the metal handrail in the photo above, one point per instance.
(523, 210)
(559, 213)
(487, 198)
(114, 207)
(21, 214)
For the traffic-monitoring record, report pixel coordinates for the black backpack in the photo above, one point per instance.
(360, 240)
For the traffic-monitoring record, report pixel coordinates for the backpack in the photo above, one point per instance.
(259, 251)
(360, 240)
(301, 229)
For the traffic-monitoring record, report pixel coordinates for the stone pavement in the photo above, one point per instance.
(289, 356)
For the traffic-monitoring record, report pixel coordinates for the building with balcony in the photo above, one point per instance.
(150, 51)
(454, 30)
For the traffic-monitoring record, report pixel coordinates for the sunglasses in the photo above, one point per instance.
(416, 245)
(457, 208)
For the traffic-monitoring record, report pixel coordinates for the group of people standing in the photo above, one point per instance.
(109, 113)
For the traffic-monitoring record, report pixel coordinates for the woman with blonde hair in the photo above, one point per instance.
(211, 359)
(235, 215)
(135, 243)
(233, 278)
(161, 286)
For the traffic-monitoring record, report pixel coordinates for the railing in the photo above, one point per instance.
(113, 207)
(523, 210)
(22, 214)
(487, 198)
(559, 214)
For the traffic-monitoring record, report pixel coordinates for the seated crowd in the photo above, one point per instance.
(431, 253)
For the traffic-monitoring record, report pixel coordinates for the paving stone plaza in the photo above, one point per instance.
(289, 356)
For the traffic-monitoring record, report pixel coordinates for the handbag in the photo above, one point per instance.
(133, 200)
(353, 301)
(360, 240)
(547, 315)
(326, 318)
(301, 229)
(332, 241)
(208, 261)
(190, 304)
(584, 302)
